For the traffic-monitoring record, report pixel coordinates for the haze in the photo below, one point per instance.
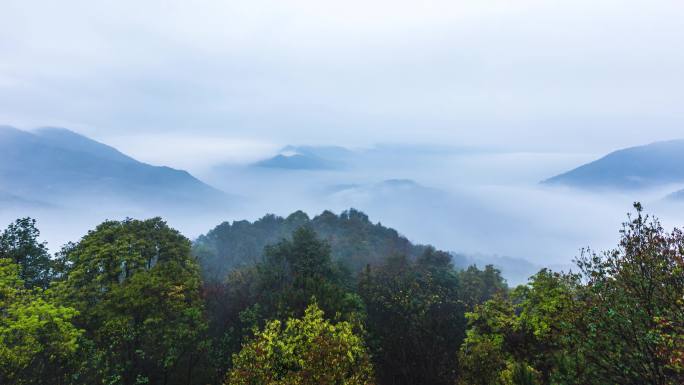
(503, 94)
(534, 75)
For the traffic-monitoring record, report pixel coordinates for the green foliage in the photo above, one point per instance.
(354, 241)
(477, 286)
(138, 293)
(631, 329)
(484, 354)
(670, 335)
(519, 374)
(620, 322)
(308, 351)
(37, 339)
(415, 318)
(19, 243)
(291, 273)
(295, 271)
(126, 305)
(531, 326)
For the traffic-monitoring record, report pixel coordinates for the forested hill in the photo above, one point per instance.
(126, 304)
(635, 167)
(354, 239)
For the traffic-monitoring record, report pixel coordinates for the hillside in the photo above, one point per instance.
(10, 200)
(354, 239)
(635, 167)
(677, 196)
(307, 158)
(61, 167)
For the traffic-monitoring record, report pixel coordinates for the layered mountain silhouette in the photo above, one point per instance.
(61, 167)
(676, 196)
(308, 158)
(646, 166)
(355, 241)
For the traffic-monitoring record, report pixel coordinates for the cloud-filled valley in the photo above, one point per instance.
(482, 203)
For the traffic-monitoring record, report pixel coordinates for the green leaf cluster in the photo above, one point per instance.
(37, 337)
(137, 290)
(307, 351)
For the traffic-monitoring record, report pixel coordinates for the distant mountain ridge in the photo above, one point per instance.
(645, 166)
(56, 165)
(515, 270)
(307, 158)
(7, 199)
(354, 239)
(677, 196)
(355, 242)
(69, 140)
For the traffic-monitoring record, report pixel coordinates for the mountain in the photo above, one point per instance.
(10, 200)
(61, 167)
(677, 196)
(354, 239)
(384, 197)
(297, 162)
(515, 270)
(69, 140)
(390, 188)
(635, 167)
(308, 158)
(355, 242)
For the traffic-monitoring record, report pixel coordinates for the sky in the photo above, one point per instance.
(177, 82)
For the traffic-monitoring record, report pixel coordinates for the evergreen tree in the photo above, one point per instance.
(415, 319)
(137, 290)
(19, 243)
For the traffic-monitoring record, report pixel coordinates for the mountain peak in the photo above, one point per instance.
(69, 140)
(7, 132)
(644, 166)
(67, 168)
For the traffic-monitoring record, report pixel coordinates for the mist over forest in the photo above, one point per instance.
(470, 196)
(353, 192)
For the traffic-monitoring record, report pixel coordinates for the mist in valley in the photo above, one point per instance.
(484, 205)
(439, 120)
(341, 192)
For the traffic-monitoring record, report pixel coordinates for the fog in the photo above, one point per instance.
(453, 111)
(566, 75)
(472, 202)
(478, 202)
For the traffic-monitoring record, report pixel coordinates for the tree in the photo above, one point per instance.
(308, 351)
(291, 274)
(483, 355)
(37, 338)
(232, 312)
(621, 321)
(415, 318)
(354, 241)
(633, 323)
(137, 289)
(478, 286)
(295, 271)
(19, 243)
(525, 336)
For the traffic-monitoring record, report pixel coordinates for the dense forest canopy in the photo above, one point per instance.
(354, 240)
(330, 300)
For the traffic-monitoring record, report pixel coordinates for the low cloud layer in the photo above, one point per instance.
(532, 88)
(531, 75)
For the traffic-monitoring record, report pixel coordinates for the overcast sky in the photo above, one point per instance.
(241, 77)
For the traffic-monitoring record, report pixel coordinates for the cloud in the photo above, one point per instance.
(525, 74)
(192, 152)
